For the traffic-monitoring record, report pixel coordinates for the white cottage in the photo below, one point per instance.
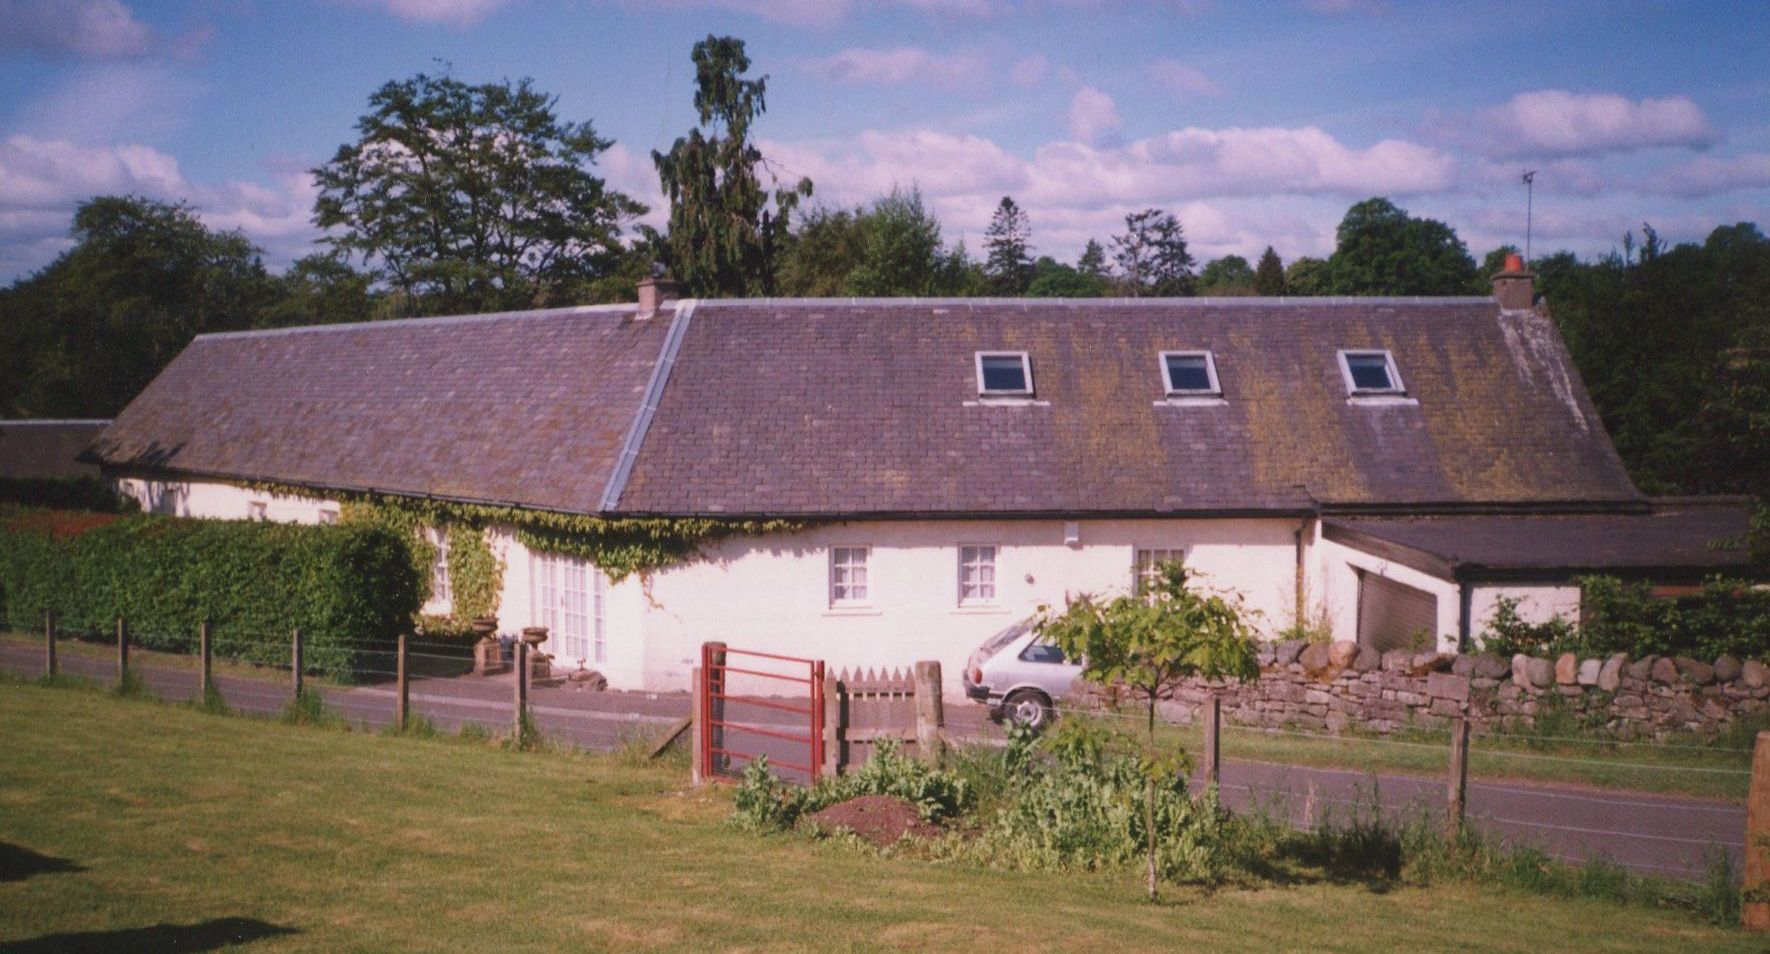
(1385, 467)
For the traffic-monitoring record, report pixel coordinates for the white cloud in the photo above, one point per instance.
(42, 180)
(460, 13)
(97, 29)
(1093, 115)
(1555, 122)
(1710, 176)
(113, 102)
(1183, 80)
(1030, 70)
(899, 66)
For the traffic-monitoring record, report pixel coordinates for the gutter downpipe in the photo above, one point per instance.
(1466, 606)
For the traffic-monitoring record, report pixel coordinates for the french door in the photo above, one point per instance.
(569, 597)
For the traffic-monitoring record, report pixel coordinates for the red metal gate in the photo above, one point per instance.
(740, 726)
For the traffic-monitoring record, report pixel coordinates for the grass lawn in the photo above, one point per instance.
(426, 661)
(127, 821)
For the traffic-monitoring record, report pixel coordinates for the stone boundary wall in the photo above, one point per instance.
(1335, 686)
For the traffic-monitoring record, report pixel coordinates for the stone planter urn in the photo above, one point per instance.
(540, 664)
(487, 659)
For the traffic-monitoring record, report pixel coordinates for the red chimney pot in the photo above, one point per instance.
(1514, 262)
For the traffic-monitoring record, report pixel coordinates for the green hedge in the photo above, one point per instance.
(351, 589)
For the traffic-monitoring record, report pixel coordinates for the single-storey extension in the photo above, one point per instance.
(1384, 468)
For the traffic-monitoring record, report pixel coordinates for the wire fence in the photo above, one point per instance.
(1658, 808)
(411, 682)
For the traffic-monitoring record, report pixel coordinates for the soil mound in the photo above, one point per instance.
(880, 819)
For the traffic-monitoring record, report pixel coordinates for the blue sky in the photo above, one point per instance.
(1257, 123)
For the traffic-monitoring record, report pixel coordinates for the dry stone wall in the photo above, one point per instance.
(1335, 686)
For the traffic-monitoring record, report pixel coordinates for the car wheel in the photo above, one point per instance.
(1030, 708)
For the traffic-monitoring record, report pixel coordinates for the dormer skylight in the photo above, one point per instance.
(1370, 373)
(1190, 374)
(1004, 374)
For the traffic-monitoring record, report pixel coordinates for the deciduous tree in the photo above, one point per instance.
(1381, 250)
(471, 197)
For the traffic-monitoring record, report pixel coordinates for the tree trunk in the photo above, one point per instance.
(1149, 828)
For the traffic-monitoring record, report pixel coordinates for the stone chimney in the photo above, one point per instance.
(654, 292)
(1515, 287)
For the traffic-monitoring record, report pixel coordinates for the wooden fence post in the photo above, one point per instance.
(714, 678)
(295, 663)
(49, 665)
(930, 713)
(1458, 792)
(1755, 912)
(402, 695)
(1214, 740)
(522, 688)
(833, 726)
(205, 659)
(122, 649)
(698, 728)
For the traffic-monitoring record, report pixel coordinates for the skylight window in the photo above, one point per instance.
(1370, 372)
(1003, 373)
(1190, 374)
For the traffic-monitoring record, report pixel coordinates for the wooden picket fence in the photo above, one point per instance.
(865, 707)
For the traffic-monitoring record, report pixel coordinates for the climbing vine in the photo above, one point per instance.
(476, 574)
(619, 546)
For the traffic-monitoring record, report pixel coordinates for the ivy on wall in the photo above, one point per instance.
(618, 546)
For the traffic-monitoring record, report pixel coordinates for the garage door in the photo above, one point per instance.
(1394, 615)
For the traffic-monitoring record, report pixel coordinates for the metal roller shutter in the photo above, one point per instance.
(1391, 615)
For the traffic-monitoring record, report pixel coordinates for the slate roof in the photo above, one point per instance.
(34, 450)
(1696, 537)
(527, 408)
(869, 408)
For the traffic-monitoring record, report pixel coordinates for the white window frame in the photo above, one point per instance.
(1025, 369)
(1143, 573)
(442, 588)
(1396, 387)
(843, 593)
(971, 557)
(548, 576)
(1216, 389)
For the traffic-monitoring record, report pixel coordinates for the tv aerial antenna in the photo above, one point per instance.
(1529, 197)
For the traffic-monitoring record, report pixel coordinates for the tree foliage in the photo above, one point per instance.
(1381, 250)
(726, 228)
(1151, 255)
(1147, 644)
(84, 335)
(1007, 247)
(1053, 279)
(900, 251)
(472, 197)
(1269, 274)
(1229, 275)
(1306, 277)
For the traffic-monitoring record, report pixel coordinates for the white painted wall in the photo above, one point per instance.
(220, 501)
(773, 592)
(1536, 604)
(1339, 568)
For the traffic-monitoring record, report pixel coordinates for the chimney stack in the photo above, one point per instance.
(1515, 286)
(654, 292)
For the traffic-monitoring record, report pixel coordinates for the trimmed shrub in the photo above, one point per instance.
(351, 589)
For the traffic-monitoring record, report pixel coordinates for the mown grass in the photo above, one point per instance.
(128, 821)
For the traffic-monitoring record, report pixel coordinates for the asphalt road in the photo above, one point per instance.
(1649, 833)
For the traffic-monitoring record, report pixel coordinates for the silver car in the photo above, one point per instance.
(1020, 676)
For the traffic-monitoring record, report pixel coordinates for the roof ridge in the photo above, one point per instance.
(427, 321)
(1030, 304)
